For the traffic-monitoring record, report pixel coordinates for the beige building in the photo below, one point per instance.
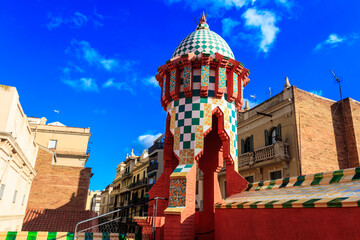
(69, 143)
(129, 187)
(105, 199)
(156, 161)
(17, 160)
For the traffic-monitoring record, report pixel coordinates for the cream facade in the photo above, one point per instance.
(69, 143)
(105, 199)
(18, 152)
(266, 137)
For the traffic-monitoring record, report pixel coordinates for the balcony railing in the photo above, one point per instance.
(244, 159)
(157, 145)
(276, 151)
(152, 167)
(148, 187)
(126, 174)
(138, 183)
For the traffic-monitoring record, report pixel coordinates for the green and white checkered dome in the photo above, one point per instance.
(203, 40)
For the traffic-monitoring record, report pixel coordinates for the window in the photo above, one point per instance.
(250, 179)
(225, 189)
(137, 178)
(275, 175)
(52, 144)
(23, 200)
(273, 136)
(247, 145)
(14, 198)
(2, 189)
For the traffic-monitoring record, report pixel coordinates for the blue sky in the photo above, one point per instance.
(95, 61)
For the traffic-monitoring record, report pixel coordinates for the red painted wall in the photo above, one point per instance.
(289, 223)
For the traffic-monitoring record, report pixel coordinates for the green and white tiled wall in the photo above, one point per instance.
(192, 117)
(65, 236)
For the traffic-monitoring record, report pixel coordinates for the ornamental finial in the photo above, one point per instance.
(203, 18)
(202, 24)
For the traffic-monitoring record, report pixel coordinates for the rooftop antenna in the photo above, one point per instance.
(253, 97)
(338, 80)
(270, 91)
(195, 20)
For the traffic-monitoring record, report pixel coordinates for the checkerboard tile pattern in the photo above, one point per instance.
(193, 117)
(331, 189)
(203, 41)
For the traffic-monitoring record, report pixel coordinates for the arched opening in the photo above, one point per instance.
(210, 164)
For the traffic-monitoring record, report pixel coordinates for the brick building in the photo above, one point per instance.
(62, 182)
(283, 136)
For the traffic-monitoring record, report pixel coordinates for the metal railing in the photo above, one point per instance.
(152, 167)
(93, 224)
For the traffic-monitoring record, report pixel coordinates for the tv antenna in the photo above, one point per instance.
(270, 91)
(339, 82)
(253, 97)
(195, 21)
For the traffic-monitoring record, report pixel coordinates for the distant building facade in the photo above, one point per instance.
(18, 152)
(283, 136)
(156, 161)
(130, 187)
(95, 202)
(105, 199)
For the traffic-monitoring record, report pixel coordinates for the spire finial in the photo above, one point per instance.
(203, 18)
(202, 24)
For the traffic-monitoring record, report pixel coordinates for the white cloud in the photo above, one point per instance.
(109, 64)
(265, 22)
(332, 41)
(211, 4)
(147, 140)
(77, 20)
(84, 51)
(118, 85)
(317, 92)
(83, 84)
(151, 81)
(228, 26)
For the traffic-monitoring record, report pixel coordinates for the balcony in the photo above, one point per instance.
(152, 167)
(148, 187)
(138, 183)
(155, 146)
(276, 152)
(126, 174)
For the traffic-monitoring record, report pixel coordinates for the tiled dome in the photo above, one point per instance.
(203, 40)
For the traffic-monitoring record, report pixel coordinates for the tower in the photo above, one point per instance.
(201, 91)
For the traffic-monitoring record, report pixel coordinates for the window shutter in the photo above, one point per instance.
(251, 143)
(266, 137)
(278, 131)
(242, 146)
